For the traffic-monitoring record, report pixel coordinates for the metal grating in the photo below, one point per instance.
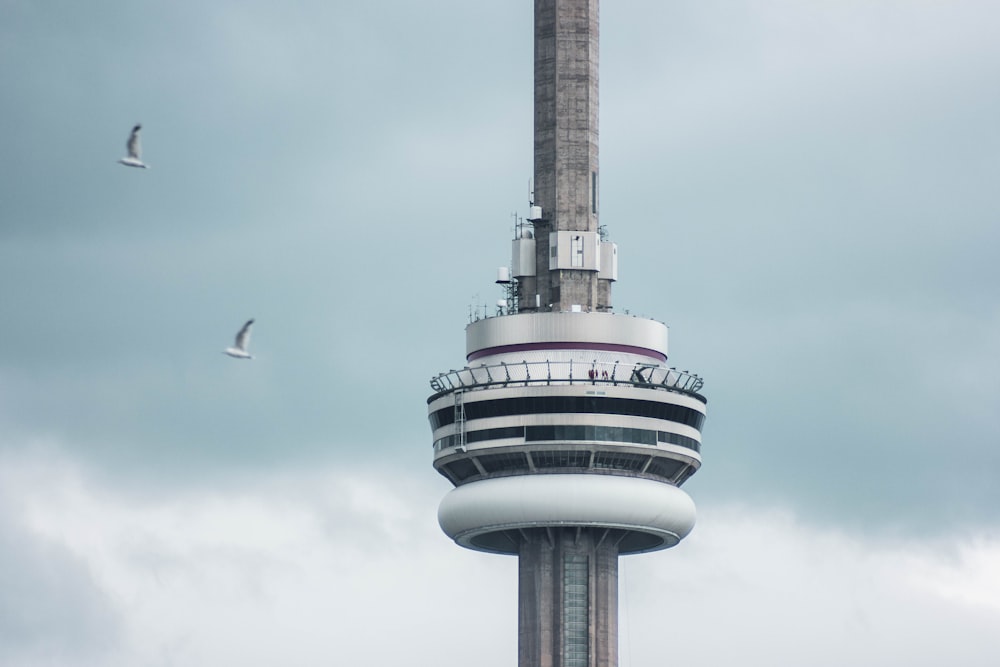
(556, 459)
(620, 461)
(509, 462)
(462, 469)
(575, 610)
(664, 467)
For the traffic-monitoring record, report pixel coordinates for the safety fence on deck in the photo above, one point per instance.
(567, 372)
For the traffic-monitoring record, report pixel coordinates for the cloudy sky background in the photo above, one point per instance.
(805, 192)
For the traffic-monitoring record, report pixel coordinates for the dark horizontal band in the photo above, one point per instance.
(569, 433)
(599, 405)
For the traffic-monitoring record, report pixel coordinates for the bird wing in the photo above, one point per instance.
(243, 337)
(133, 143)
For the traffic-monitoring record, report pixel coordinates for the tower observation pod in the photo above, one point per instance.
(566, 434)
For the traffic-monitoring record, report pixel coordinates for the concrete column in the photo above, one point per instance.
(543, 603)
(566, 142)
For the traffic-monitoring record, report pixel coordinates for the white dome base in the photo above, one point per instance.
(655, 515)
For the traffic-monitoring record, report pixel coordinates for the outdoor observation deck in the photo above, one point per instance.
(548, 372)
(566, 393)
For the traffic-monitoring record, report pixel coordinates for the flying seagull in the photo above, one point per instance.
(239, 350)
(134, 150)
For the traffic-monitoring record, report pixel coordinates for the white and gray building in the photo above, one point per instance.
(566, 433)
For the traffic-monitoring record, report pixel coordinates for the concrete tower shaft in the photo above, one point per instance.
(568, 598)
(566, 158)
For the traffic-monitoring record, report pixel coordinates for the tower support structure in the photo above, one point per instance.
(568, 598)
(566, 434)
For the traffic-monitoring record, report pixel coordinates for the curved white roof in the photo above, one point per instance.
(493, 335)
(476, 514)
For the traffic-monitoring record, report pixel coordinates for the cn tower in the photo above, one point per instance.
(566, 434)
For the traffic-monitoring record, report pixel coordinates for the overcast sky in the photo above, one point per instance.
(806, 193)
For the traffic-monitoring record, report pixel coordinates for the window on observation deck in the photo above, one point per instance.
(665, 467)
(620, 461)
(561, 459)
(571, 405)
(623, 434)
(462, 469)
(510, 462)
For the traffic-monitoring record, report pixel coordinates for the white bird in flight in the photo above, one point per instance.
(239, 350)
(134, 158)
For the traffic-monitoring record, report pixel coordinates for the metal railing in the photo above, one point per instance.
(567, 372)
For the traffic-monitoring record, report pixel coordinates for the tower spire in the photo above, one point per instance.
(566, 156)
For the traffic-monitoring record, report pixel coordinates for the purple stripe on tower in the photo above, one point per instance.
(600, 347)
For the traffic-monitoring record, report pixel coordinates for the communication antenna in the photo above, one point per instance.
(476, 306)
(508, 304)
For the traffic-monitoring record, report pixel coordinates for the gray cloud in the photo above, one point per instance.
(52, 610)
(303, 566)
